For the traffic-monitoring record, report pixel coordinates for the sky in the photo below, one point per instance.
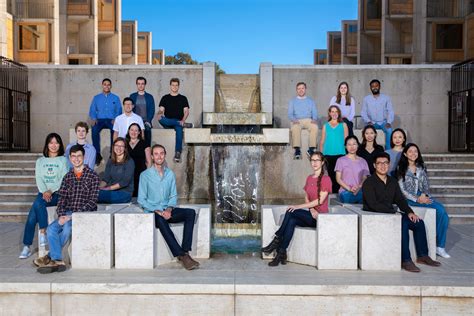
(239, 35)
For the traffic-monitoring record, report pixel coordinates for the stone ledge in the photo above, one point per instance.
(234, 118)
(269, 136)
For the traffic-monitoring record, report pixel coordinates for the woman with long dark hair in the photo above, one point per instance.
(398, 140)
(369, 147)
(49, 172)
(117, 183)
(139, 151)
(317, 189)
(346, 104)
(413, 181)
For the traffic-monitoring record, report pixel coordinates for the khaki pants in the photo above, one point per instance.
(296, 132)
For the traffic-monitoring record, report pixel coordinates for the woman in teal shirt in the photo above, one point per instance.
(333, 135)
(49, 172)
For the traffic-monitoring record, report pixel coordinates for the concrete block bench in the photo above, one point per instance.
(379, 239)
(139, 245)
(332, 245)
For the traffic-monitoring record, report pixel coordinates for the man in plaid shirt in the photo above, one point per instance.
(78, 193)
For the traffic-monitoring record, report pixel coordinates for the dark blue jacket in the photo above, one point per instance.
(150, 105)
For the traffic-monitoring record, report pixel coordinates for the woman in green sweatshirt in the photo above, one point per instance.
(49, 171)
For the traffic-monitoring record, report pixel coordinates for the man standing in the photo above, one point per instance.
(123, 121)
(303, 114)
(105, 107)
(78, 193)
(377, 110)
(380, 192)
(174, 110)
(144, 106)
(157, 194)
(81, 139)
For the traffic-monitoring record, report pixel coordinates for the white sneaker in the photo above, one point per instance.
(25, 253)
(442, 252)
(43, 240)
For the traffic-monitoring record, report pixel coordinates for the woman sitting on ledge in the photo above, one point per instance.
(117, 183)
(351, 172)
(369, 147)
(413, 181)
(317, 188)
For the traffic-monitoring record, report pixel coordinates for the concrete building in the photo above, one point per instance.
(144, 48)
(66, 32)
(406, 32)
(320, 56)
(158, 56)
(334, 41)
(129, 43)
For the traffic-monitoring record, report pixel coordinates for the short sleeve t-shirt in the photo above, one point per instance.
(122, 122)
(140, 106)
(311, 189)
(352, 171)
(174, 105)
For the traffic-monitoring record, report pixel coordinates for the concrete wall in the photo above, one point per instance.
(61, 95)
(418, 92)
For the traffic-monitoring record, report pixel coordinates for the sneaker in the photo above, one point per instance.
(187, 262)
(52, 266)
(442, 252)
(410, 266)
(428, 261)
(188, 125)
(297, 155)
(310, 152)
(42, 261)
(177, 157)
(25, 253)
(43, 240)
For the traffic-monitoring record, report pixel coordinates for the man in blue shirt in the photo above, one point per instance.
(157, 194)
(105, 107)
(377, 110)
(144, 106)
(303, 114)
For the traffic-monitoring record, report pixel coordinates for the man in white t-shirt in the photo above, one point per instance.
(123, 121)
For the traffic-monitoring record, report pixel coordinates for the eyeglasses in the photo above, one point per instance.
(316, 160)
(384, 163)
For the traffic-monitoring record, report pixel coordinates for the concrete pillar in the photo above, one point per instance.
(266, 87)
(208, 87)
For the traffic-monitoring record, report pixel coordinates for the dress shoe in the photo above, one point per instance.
(428, 261)
(410, 266)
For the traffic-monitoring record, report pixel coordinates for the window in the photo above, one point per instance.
(374, 9)
(449, 36)
(352, 28)
(32, 37)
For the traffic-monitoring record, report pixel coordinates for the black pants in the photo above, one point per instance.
(331, 164)
(350, 126)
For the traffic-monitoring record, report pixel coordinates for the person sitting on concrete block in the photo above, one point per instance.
(380, 192)
(123, 121)
(104, 108)
(398, 140)
(81, 130)
(317, 188)
(157, 194)
(174, 110)
(302, 114)
(346, 104)
(144, 106)
(369, 148)
(78, 193)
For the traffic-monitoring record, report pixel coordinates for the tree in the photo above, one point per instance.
(186, 59)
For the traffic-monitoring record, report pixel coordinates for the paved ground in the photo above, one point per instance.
(248, 268)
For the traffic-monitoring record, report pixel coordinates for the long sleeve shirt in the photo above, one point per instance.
(302, 108)
(379, 196)
(156, 192)
(377, 110)
(89, 157)
(413, 185)
(105, 106)
(121, 174)
(150, 106)
(78, 194)
(347, 110)
(49, 173)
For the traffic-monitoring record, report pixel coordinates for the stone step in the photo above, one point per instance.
(18, 187)
(17, 163)
(17, 171)
(448, 157)
(461, 219)
(20, 156)
(17, 196)
(459, 208)
(445, 172)
(451, 180)
(449, 164)
(17, 179)
(454, 198)
(438, 189)
(15, 206)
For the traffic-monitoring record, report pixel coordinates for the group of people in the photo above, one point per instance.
(359, 173)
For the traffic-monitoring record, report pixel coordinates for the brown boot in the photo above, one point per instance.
(42, 261)
(188, 262)
(428, 261)
(410, 266)
(195, 262)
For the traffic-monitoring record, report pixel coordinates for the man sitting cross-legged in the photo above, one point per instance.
(157, 194)
(78, 193)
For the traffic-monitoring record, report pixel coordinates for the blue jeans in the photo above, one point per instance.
(178, 215)
(387, 131)
(419, 236)
(349, 197)
(301, 218)
(38, 214)
(114, 196)
(58, 236)
(100, 125)
(442, 220)
(174, 123)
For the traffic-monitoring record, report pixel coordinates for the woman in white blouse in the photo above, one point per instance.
(346, 103)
